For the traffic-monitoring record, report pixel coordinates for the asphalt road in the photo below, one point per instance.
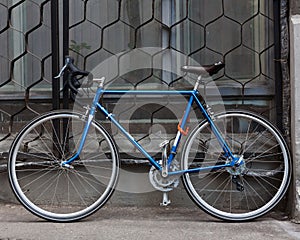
(143, 223)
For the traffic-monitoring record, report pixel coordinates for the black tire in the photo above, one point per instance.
(62, 193)
(246, 192)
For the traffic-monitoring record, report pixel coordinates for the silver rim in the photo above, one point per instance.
(61, 193)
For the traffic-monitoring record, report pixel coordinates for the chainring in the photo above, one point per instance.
(164, 184)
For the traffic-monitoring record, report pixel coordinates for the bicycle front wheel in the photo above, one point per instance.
(59, 192)
(242, 192)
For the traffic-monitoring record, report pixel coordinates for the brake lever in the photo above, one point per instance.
(68, 60)
(62, 71)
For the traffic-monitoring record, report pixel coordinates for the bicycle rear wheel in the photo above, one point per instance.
(237, 193)
(62, 193)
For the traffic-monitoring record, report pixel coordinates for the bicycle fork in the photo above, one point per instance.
(90, 114)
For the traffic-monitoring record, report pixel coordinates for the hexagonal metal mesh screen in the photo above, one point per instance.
(241, 33)
(25, 61)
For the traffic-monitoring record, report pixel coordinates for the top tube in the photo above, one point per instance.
(149, 92)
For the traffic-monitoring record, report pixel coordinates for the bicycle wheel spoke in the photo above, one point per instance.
(241, 192)
(262, 154)
(44, 187)
(256, 193)
(90, 177)
(36, 155)
(88, 180)
(49, 152)
(52, 139)
(78, 192)
(40, 175)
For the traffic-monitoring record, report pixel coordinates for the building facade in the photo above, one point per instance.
(295, 95)
(251, 37)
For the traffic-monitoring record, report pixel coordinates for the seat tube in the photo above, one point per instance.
(181, 126)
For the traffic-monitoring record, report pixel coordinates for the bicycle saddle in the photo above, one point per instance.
(204, 70)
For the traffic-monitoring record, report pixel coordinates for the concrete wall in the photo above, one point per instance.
(295, 7)
(295, 107)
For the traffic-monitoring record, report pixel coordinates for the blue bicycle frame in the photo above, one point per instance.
(192, 98)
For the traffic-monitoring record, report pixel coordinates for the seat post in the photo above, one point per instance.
(197, 83)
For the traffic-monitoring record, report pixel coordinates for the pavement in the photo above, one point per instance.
(117, 222)
(137, 215)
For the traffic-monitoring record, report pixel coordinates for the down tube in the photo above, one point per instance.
(128, 136)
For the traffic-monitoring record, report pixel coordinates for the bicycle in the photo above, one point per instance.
(235, 165)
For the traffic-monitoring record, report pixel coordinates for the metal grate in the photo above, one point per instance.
(239, 32)
(25, 62)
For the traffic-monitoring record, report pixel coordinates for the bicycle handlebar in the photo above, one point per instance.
(73, 81)
(69, 65)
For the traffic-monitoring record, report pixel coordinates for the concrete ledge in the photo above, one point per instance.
(133, 190)
(295, 111)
